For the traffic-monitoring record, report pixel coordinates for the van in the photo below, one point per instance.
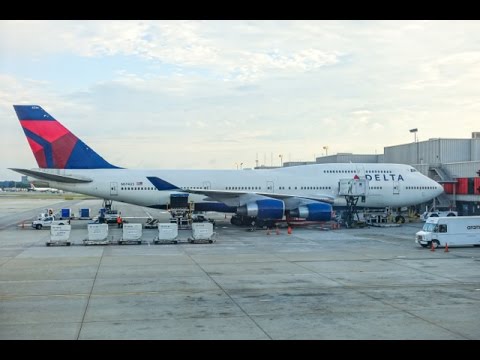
(453, 230)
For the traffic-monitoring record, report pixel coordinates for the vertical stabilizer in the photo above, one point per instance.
(53, 145)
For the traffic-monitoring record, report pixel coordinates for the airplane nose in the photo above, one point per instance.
(438, 188)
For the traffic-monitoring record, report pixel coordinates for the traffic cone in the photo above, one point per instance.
(277, 231)
(446, 247)
(432, 248)
(289, 230)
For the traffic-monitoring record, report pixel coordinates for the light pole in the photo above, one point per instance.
(414, 131)
(326, 150)
(281, 160)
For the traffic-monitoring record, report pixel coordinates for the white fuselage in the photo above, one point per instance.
(393, 185)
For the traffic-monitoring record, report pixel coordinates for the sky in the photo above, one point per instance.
(217, 94)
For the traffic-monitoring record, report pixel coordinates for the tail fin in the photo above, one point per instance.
(53, 145)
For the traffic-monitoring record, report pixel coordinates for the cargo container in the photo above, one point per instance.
(84, 213)
(65, 213)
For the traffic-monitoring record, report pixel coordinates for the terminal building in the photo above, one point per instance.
(454, 163)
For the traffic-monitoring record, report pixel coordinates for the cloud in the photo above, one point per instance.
(211, 93)
(182, 43)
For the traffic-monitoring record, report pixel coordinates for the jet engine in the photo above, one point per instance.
(263, 209)
(313, 212)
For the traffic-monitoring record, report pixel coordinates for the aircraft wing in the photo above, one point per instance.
(238, 198)
(43, 175)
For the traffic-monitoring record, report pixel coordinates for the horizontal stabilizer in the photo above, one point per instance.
(41, 175)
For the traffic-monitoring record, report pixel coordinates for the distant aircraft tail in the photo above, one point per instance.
(53, 145)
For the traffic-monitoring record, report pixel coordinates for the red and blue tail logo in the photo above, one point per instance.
(53, 145)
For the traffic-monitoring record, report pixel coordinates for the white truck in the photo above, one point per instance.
(47, 221)
(453, 230)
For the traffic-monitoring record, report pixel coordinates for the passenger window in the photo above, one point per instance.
(443, 228)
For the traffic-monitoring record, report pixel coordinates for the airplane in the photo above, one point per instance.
(44, 189)
(254, 196)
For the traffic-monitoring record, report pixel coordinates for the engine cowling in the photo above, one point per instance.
(313, 212)
(263, 209)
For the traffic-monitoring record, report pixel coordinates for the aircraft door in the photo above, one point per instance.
(396, 188)
(270, 187)
(114, 188)
(360, 171)
(207, 185)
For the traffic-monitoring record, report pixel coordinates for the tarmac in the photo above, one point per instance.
(369, 283)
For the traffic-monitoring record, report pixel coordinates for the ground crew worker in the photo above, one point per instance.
(119, 221)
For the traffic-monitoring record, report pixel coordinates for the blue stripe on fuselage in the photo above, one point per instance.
(161, 184)
(210, 206)
(215, 206)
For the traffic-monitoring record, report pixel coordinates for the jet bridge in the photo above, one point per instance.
(352, 190)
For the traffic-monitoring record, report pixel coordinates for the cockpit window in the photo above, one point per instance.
(413, 170)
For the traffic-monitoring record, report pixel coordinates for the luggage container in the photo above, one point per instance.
(167, 233)
(131, 233)
(97, 235)
(59, 235)
(65, 213)
(202, 232)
